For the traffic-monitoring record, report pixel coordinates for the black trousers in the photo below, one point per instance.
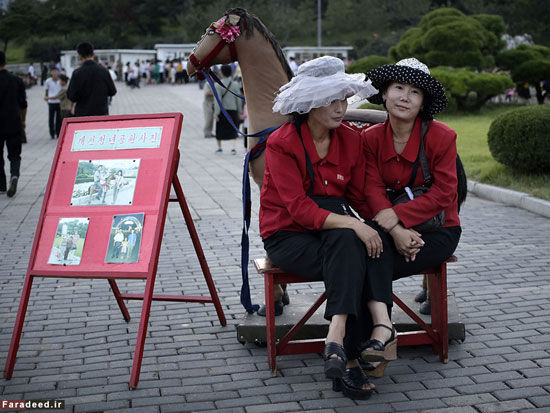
(13, 144)
(438, 246)
(339, 258)
(54, 118)
(351, 278)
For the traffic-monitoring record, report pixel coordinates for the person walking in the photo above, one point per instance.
(233, 106)
(13, 111)
(91, 84)
(52, 88)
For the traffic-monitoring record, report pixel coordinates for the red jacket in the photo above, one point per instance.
(386, 168)
(284, 204)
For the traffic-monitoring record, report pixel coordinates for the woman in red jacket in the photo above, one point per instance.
(314, 168)
(412, 97)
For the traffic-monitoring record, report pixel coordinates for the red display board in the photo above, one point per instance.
(104, 210)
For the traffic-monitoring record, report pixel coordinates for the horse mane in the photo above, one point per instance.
(248, 22)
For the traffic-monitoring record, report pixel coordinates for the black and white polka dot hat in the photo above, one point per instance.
(413, 72)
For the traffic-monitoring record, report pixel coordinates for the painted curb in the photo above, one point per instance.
(509, 197)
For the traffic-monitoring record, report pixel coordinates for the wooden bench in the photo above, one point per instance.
(436, 334)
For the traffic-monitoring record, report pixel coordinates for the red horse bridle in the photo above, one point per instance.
(199, 65)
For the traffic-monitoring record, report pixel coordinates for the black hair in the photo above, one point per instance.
(226, 70)
(298, 118)
(85, 49)
(2, 58)
(63, 77)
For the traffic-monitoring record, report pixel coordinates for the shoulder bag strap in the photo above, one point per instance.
(227, 89)
(309, 166)
(421, 157)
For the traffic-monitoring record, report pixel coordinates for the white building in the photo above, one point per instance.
(69, 58)
(304, 53)
(174, 51)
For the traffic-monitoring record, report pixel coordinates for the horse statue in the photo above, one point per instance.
(240, 36)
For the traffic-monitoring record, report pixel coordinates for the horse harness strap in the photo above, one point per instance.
(213, 53)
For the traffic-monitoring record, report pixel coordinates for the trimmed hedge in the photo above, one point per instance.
(519, 139)
(365, 64)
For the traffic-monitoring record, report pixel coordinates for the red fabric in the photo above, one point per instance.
(386, 168)
(284, 203)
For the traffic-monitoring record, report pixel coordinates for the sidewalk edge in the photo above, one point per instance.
(509, 197)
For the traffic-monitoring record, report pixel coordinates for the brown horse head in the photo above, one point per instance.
(212, 49)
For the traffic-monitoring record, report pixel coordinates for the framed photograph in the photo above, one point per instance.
(125, 239)
(69, 241)
(105, 182)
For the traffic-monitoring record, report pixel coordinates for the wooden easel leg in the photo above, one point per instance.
(198, 249)
(18, 328)
(142, 332)
(119, 300)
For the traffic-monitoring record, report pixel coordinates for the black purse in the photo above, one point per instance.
(409, 192)
(335, 204)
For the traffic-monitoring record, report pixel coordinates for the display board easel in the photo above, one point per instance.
(108, 169)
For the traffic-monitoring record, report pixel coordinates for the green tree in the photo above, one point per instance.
(528, 64)
(365, 64)
(447, 37)
(469, 91)
(18, 21)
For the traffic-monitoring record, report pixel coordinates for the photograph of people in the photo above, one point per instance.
(69, 241)
(105, 182)
(314, 168)
(125, 238)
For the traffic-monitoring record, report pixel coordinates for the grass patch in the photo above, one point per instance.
(15, 54)
(474, 151)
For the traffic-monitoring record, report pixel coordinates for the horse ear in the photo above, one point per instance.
(233, 19)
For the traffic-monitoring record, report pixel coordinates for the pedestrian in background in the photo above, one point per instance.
(233, 106)
(65, 104)
(52, 89)
(43, 73)
(13, 111)
(91, 84)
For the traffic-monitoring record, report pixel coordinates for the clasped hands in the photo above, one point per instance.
(407, 241)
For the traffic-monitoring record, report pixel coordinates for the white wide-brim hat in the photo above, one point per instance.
(412, 72)
(318, 83)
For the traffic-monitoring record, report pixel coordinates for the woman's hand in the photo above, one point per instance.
(370, 238)
(407, 242)
(387, 219)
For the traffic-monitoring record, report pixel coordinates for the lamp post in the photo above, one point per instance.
(318, 23)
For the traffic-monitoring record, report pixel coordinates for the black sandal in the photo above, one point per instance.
(334, 367)
(351, 384)
(375, 350)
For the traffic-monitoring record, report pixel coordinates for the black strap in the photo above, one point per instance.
(309, 166)
(227, 89)
(421, 157)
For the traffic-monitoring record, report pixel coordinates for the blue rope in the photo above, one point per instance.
(252, 154)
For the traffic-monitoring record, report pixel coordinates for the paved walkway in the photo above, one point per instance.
(76, 346)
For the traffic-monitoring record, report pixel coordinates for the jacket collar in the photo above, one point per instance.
(333, 155)
(411, 148)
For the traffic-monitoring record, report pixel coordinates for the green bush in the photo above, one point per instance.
(469, 91)
(519, 139)
(448, 37)
(365, 64)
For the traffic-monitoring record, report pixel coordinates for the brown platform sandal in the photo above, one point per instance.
(375, 350)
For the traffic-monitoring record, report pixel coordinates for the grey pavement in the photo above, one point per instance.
(76, 346)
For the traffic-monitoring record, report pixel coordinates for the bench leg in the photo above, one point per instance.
(438, 297)
(270, 324)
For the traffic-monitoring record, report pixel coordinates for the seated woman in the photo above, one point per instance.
(412, 97)
(314, 166)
